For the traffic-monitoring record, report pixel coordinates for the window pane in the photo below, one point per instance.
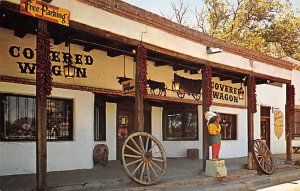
(228, 126)
(59, 119)
(19, 121)
(297, 115)
(297, 129)
(180, 124)
(19, 117)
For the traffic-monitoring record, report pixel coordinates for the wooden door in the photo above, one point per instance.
(265, 125)
(126, 122)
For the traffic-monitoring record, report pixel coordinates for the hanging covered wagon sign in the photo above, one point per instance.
(278, 123)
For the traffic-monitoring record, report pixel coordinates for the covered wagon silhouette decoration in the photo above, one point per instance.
(188, 86)
(156, 88)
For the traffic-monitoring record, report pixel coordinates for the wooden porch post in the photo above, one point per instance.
(250, 126)
(139, 100)
(205, 147)
(41, 125)
(289, 116)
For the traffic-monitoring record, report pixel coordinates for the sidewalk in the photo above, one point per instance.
(180, 171)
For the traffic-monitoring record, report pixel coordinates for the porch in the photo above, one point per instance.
(178, 170)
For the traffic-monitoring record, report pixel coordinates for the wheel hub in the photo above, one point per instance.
(147, 156)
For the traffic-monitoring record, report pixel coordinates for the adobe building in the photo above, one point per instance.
(92, 107)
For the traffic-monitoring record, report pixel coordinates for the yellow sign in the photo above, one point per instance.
(128, 87)
(45, 11)
(278, 123)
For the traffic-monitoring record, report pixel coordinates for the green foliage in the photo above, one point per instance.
(268, 26)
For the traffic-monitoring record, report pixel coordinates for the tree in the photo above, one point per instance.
(180, 12)
(268, 26)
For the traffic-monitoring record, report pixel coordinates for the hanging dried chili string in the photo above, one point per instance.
(142, 66)
(43, 66)
(208, 75)
(252, 95)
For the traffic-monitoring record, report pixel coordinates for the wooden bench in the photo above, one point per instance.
(296, 149)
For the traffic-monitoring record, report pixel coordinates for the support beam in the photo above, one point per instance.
(205, 108)
(289, 116)
(250, 127)
(41, 139)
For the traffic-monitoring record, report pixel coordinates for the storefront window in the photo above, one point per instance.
(18, 118)
(180, 122)
(296, 130)
(228, 124)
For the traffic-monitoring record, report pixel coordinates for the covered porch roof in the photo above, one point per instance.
(167, 43)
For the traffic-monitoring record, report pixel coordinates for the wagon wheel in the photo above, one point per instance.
(143, 158)
(181, 93)
(196, 96)
(263, 157)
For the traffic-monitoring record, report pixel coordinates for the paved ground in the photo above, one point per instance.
(180, 172)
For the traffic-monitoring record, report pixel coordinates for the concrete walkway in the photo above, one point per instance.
(180, 171)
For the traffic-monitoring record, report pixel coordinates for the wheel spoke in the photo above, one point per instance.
(142, 173)
(147, 143)
(152, 147)
(156, 159)
(132, 156)
(133, 150)
(143, 158)
(141, 143)
(156, 165)
(148, 172)
(133, 162)
(136, 145)
(133, 172)
(263, 157)
(153, 169)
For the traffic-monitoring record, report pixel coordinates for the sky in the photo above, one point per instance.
(157, 6)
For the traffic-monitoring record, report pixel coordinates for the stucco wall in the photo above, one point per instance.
(19, 157)
(239, 147)
(272, 96)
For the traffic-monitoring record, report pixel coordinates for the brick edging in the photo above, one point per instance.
(136, 14)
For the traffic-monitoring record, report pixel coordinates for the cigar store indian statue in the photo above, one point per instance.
(214, 132)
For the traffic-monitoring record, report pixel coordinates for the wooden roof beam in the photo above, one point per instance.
(160, 63)
(113, 53)
(177, 67)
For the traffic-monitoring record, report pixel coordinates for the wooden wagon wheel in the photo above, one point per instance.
(144, 158)
(263, 157)
(196, 96)
(181, 93)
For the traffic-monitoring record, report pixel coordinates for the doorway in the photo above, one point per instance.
(265, 124)
(126, 121)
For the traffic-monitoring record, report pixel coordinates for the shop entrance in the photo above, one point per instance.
(265, 124)
(126, 122)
